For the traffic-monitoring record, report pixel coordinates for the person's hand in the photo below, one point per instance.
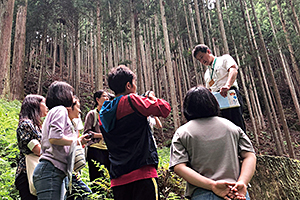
(238, 191)
(222, 188)
(224, 90)
(151, 96)
(84, 139)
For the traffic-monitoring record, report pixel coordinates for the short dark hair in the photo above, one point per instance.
(118, 77)
(199, 48)
(59, 94)
(31, 109)
(199, 102)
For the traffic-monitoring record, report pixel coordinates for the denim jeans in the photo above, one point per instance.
(49, 182)
(202, 194)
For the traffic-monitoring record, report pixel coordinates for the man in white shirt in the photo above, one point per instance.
(220, 76)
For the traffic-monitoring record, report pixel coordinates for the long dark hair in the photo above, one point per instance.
(30, 109)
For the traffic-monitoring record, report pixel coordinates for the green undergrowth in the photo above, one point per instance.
(170, 185)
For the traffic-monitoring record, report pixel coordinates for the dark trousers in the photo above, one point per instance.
(98, 155)
(23, 187)
(235, 115)
(145, 189)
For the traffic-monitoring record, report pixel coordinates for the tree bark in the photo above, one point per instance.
(169, 67)
(99, 67)
(17, 70)
(222, 29)
(6, 18)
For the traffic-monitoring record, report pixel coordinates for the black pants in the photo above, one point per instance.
(99, 155)
(23, 187)
(145, 189)
(235, 115)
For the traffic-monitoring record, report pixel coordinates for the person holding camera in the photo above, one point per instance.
(128, 137)
(97, 149)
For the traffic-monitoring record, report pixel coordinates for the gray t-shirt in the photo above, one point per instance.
(211, 147)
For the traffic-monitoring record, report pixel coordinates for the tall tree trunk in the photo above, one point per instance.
(296, 20)
(17, 75)
(193, 27)
(91, 51)
(144, 65)
(99, 67)
(156, 71)
(208, 39)
(6, 18)
(190, 42)
(222, 29)
(61, 51)
(78, 60)
(133, 40)
(199, 24)
(71, 66)
(273, 83)
(43, 63)
(140, 85)
(169, 67)
(54, 52)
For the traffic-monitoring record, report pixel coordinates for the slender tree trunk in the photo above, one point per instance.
(190, 42)
(140, 85)
(169, 67)
(54, 52)
(208, 39)
(6, 18)
(199, 24)
(193, 27)
(17, 75)
(276, 91)
(43, 63)
(144, 65)
(91, 51)
(222, 29)
(61, 50)
(99, 67)
(71, 67)
(133, 40)
(296, 20)
(156, 71)
(78, 60)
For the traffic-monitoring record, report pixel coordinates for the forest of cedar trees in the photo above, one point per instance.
(79, 41)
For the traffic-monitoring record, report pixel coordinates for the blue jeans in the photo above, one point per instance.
(49, 182)
(202, 194)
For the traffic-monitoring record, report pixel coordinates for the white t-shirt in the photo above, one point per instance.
(220, 73)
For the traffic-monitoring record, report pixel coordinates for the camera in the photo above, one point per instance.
(146, 94)
(89, 136)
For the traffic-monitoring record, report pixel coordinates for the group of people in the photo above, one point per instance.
(211, 151)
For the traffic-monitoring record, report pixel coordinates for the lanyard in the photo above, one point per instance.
(213, 68)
